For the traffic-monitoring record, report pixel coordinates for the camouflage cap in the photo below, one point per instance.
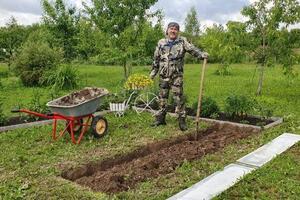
(174, 24)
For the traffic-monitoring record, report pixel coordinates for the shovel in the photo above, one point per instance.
(200, 97)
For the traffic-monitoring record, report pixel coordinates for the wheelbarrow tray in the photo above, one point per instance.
(79, 103)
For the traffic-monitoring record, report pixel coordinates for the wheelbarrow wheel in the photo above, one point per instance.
(99, 126)
(76, 128)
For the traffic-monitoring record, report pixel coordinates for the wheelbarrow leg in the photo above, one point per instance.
(54, 129)
(83, 131)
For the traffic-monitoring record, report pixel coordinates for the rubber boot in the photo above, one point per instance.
(160, 120)
(182, 124)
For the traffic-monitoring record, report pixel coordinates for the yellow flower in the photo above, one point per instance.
(138, 81)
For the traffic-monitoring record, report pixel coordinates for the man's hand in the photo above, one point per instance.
(205, 55)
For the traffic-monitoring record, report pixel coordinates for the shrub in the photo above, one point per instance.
(238, 105)
(264, 109)
(223, 70)
(209, 107)
(63, 77)
(36, 105)
(33, 60)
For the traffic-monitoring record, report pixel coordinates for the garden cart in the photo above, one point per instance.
(76, 109)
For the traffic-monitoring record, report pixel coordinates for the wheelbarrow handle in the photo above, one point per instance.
(47, 116)
(15, 110)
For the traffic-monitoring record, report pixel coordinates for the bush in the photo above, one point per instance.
(238, 105)
(264, 109)
(36, 105)
(209, 107)
(33, 60)
(223, 70)
(63, 77)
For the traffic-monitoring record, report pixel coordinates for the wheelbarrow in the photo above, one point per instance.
(76, 109)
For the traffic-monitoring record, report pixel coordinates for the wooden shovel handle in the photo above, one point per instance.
(201, 92)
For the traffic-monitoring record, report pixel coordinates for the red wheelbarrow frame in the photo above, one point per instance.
(70, 123)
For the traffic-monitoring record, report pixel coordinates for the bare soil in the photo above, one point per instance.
(20, 120)
(81, 96)
(153, 160)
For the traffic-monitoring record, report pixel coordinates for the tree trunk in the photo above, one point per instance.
(260, 81)
(125, 70)
(262, 68)
(129, 70)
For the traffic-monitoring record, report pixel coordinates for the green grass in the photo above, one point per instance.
(31, 162)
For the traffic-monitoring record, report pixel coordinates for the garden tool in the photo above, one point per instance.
(200, 96)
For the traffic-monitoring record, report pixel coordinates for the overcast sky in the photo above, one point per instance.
(209, 11)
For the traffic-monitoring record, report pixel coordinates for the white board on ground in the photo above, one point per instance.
(214, 184)
(270, 150)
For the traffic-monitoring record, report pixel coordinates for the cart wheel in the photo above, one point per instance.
(76, 128)
(146, 101)
(99, 126)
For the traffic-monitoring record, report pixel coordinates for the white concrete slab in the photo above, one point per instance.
(270, 150)
(214, 184)
(220, 181)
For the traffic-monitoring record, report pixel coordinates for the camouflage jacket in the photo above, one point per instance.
(169, 57)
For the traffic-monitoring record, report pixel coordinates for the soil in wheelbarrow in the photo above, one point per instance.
(153, 160)
(81, 96)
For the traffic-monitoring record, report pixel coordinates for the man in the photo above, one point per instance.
(168, 63)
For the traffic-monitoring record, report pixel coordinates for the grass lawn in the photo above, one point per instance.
(31, 164)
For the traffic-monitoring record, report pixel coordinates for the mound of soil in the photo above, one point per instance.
(79, 97)
(153, 160)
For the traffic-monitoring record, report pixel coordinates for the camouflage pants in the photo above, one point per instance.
(176, 86)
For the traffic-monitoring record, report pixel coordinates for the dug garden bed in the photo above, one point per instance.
(124, 172)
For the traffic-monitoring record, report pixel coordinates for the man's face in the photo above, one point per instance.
(173, 32)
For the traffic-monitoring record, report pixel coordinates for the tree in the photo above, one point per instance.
(90, 40)
(11, 38)
(62, 22)
(192, 25)
(122, 20)
(237, 34)
(264, 19)
(191, 32)
(213, 40)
